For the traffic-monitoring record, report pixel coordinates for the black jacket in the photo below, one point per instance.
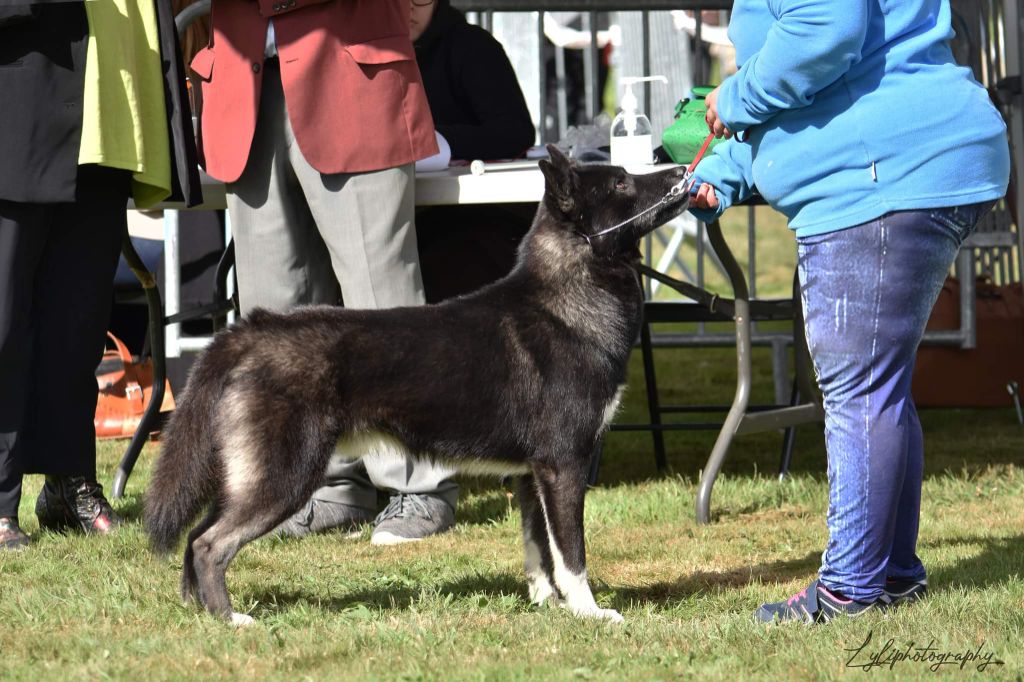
(42, 79)
(474, 96)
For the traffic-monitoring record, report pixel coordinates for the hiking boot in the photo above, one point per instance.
(11, 535)
(75, 503)
(318, 516)
(813, 604)
(901, 591)
(410, 518)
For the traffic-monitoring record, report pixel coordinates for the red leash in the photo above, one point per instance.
(686, 184)
(700, 154)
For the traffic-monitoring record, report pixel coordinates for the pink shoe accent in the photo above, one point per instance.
(832, 595)
(799, 595)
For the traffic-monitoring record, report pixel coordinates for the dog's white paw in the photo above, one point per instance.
(610, 615)
(241, 620)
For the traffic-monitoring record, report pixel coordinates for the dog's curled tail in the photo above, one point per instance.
(184, 479)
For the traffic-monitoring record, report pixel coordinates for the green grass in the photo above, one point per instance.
(454, 607)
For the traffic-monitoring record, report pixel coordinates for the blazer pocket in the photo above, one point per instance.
(202, 63)
(382, 50)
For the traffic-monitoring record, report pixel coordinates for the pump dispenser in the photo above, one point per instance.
(631, 140)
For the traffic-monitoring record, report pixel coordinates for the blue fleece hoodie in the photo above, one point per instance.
(850, 109)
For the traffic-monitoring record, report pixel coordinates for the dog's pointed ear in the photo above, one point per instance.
(557, 157)
(559, 179)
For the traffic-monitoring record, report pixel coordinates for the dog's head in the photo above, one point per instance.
(588, 199)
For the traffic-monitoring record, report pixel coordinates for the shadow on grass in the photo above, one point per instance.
(400, 597)
(396, 597)
(998, 561)
(709, 582)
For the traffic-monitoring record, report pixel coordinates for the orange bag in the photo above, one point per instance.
(124, 392)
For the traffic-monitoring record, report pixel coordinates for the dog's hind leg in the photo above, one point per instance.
(561, 494)
(213, 550)
(537, 563)
(268, 474)
(189, 579)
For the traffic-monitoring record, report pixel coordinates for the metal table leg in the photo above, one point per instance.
(743, 373)
(739, 421)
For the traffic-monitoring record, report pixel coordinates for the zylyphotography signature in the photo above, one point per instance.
(889, 654)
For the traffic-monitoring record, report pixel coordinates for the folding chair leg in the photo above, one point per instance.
(653, 406)
(788, 437)
(159, 354)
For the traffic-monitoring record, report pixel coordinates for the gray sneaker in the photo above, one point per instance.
(410, 518)
(318, 516)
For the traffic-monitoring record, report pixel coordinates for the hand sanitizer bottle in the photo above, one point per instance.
(631, 141)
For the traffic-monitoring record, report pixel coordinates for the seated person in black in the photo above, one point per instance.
(480, 112)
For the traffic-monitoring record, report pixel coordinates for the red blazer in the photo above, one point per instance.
(353, 91)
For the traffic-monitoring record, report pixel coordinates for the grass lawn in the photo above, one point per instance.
(455, 606)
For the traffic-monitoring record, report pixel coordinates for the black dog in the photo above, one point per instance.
(520, 377)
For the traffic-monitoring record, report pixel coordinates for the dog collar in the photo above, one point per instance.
(683, 186)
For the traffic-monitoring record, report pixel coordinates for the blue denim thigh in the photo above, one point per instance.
(867, 292)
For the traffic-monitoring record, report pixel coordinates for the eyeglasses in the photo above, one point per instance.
(421, 3)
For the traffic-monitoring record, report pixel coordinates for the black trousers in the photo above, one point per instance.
(57, 264)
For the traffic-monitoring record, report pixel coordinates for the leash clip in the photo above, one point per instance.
(684, 186)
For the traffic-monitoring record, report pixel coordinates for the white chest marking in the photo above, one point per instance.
(613, 407)
(375, 444)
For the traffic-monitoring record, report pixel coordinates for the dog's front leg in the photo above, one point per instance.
(561, 493)
(536, 548)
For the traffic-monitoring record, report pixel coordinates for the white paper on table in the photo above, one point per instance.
(438, 161)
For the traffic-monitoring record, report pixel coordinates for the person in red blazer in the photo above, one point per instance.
(353, 91)
(313, 113)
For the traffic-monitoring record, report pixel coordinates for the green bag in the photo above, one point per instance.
(683, 139)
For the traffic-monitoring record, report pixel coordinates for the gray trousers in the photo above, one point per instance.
(303, 237)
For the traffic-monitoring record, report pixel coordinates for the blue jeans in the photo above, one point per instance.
(867, 294)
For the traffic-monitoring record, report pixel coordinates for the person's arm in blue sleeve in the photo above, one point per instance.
(810, 46)
(728, 171)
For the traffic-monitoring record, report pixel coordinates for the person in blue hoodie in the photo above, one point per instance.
(853, 120)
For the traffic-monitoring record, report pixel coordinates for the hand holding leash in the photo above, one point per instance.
(687, 183)
(715, 124)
